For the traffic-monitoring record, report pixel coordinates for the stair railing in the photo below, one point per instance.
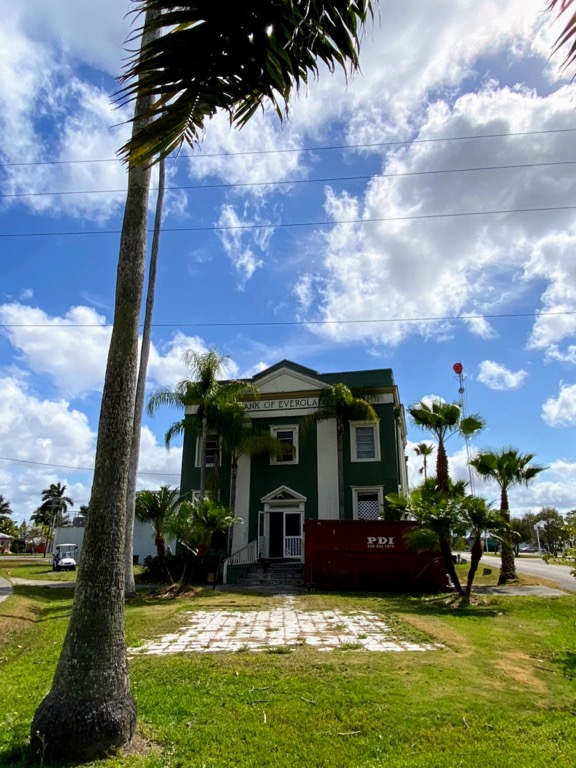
(245, 556)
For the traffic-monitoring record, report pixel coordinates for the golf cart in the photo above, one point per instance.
(64, 558)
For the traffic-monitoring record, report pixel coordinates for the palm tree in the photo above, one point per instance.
(440, 517)
(205, 392)
(129, 583)
(240, 437)
(52, 512)
(55, 504)
(193, 525)
(424, 450)
(255, 53)
(337, 402)
(444, 420)
(480, 519)
(508, 467)
(89, 710)
(5, 512)
(158, 508)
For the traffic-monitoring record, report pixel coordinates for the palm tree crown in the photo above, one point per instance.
(203, 390)
(444, 420)
(508, 467)
(424, 450)
(238, 60)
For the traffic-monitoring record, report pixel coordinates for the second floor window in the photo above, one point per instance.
(288, 453)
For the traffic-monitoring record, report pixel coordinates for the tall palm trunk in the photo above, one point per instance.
(129, 583)
(89, 709)
(508, 564)
(442, 476)
(232, 499)
(475, 557)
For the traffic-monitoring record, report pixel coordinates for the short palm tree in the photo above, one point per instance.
(444, 420)
(480, 518)
(508, 467)
(193, 525)
(158, 508)
(203, 390)
(424, 450)
(338, 402)
(439, 517)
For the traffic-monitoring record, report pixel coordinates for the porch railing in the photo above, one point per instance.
(293, 546)
(244, 556)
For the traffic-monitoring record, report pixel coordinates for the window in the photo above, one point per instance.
(368, 503)
(365, 445)
(288, 436)
(212, 451)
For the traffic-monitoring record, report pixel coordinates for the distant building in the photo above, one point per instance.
(276, 494)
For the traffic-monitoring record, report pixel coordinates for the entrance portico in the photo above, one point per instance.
(280, 525)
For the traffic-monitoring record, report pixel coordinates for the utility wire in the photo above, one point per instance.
(78, 469)
(307, 149)
(300, 181)
(274, 323)
(294, 225)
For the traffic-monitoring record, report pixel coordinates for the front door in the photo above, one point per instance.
(280, 534)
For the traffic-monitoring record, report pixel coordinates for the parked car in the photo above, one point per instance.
(64, 558)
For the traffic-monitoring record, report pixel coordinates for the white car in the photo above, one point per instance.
(65, 557)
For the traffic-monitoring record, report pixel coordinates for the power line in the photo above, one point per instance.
(307, 149)
(294, 225)
(274, 323)
(285, 182)
(78, 469)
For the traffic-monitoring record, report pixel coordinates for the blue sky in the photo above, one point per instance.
(384, 225)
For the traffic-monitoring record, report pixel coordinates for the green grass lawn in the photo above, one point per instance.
(500, 693)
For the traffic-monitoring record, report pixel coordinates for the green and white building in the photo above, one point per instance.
(275, 494)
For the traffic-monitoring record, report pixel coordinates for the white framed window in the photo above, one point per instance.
(288, 436)
(364, 441)
(212, 451)
(367, 502)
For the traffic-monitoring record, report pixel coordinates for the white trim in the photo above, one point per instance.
(354, 425)
(357, 489)
(327, 469)
(273, 496)
(274, 429)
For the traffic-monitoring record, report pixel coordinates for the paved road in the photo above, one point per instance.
(534, 566)
(5, 589)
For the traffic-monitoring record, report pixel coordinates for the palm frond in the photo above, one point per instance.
(236, 59)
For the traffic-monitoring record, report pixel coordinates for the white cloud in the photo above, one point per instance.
(412, 270)
(561, 411)
(497, 376)
(239, 244)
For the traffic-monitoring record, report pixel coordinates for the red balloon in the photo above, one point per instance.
(458, 368)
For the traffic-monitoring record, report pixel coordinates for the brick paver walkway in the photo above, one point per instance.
(211, 631)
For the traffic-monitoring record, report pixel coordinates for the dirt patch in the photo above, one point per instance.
(520, 668)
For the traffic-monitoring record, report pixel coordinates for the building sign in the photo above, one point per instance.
(380, 542)
(281, 405)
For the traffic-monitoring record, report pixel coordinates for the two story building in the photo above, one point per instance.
(276, 494)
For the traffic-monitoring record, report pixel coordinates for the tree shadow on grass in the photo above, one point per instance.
(567, 664)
